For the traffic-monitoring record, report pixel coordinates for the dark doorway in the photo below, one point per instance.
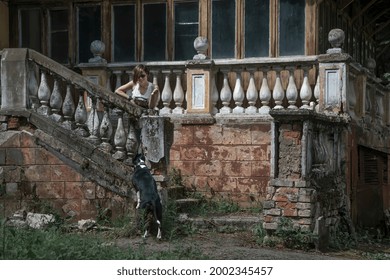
(369, 193)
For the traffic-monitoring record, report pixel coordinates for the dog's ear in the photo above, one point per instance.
(138, 158)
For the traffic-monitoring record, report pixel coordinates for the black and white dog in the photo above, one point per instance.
(148, 198)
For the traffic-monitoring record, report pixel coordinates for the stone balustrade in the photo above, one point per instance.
(246, 86)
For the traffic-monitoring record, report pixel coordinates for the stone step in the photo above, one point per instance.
(176, 192)
(186, 204)
(231, 222)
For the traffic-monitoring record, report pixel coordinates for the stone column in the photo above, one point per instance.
(308, 178)
(14, 79)
(199, 80)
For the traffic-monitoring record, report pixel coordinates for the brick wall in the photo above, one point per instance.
(232, 161)
(32, 177)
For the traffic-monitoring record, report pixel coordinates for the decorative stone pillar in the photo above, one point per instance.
(333, 76)
(14, 79)
(199, 83)
(96, 71)
(308, 181)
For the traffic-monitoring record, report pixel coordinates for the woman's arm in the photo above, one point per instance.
(154, 97)
(124, 88)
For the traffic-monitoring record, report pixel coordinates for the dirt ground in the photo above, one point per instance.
(243, 246)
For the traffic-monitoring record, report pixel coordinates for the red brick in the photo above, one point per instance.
(89, 190)
(261, 168)
(28, 155)
(183, 135)
(236, 168)
(255, 185)
(202, 135)
(262, 152)
(45, 157)
(223, 153)
(261, 134)
(186, 167)
(208, 168)
(236, 136)
(64, 173)
(27, 140)
(292, 134)
(194, 153)
(244, 153)
(74, 190)
(36, 173)
(174, 153)
(290, 212)
(50, 189)
(13, 123)
(215, 183)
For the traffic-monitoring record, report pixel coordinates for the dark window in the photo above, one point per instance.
(31, 26)
(186, 29)
(256, 28)
(154, 33)
(124, 33)
(89, 30)
(292, 27)
(223, 28)
(59, 42)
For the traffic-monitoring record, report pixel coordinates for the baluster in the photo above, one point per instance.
(93, 123)
(106, 131)
(68, 109)
(108, 82)
(56, 102)
(44, 95)
(379, 112)
(130, 75)
(131, 143)
(214, 93)
(33, 87)
(80, 116)
(226, 95)
(251, 95)
(317, 94)
(166, 96)
(178, 94)
(265, 95)
(278, 92)
(238, 95)
(155, 83)
(120, 139)
(118, 78)
(305, 92)
(292, 91)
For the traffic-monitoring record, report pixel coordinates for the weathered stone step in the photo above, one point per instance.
(176, 192)
(186, 204)
(232, 222)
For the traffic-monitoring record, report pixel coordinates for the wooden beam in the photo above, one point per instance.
(344, 4)
(376, 17)
(365, 8)
(382, 51)
(379, 28)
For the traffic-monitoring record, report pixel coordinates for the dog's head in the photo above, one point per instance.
(139, 159)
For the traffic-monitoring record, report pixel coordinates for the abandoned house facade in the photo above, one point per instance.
(277, 104)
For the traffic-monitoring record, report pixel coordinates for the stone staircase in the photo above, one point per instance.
(228, 222)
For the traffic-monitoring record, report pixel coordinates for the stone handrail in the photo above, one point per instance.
(243, 86)
(60, 94)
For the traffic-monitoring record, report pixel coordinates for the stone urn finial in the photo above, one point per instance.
(97, 48)
(336, 39)
(201, 44)
(371, 64)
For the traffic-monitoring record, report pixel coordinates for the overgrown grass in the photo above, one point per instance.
(54, 244)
